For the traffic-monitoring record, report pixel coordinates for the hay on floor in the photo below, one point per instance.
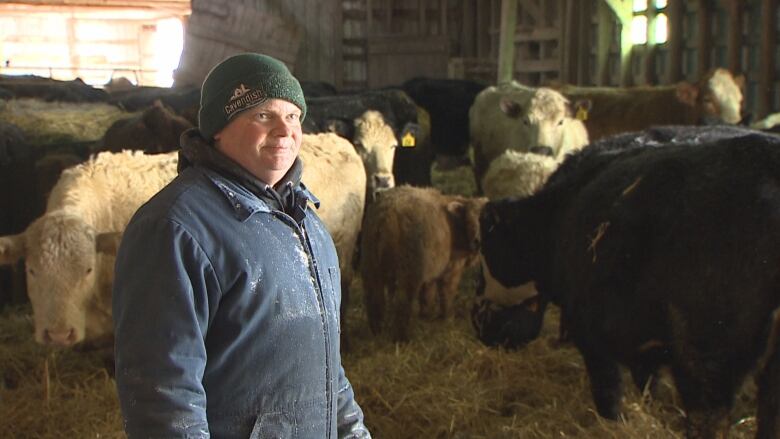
(45, 123)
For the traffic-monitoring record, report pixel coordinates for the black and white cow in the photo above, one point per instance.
(413, 157)
(662, 248)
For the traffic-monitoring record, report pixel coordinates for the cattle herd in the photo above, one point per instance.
(648, 215)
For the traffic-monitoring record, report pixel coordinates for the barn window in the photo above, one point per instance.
(93, 43)
(650, 23)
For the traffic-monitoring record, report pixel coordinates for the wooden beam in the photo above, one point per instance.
(606, 28)
(622, 9)
(676, 11)
(584, 42)
(468, 34)
(506, 43)
(735, 14)
(768, 41)
(704, 42)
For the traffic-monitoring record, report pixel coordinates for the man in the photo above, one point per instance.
(227, 287)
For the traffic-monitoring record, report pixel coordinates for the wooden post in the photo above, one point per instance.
(469, 36)
(703, 39)
(651, 48)
(506, 42)
(622, 9)
(767, 65)
(443, 17)
(676, 12)
(735, 13)
(606, 26)
(583, 41)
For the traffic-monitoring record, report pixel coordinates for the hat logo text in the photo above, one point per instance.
(243, 98)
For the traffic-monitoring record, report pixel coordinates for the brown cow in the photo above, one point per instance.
(416, 243)
(156, 130)
(716, 97)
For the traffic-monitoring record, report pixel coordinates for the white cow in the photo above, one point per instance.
(69, 251)
(375, 141)
(513, 116)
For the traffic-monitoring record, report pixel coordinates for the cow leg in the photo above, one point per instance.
(448, 289)
(403, 302)
(605, 382)
(769, 388)
(374, 297)
(428, 299)
(707, 395)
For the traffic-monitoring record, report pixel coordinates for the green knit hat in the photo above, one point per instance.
(241, 82)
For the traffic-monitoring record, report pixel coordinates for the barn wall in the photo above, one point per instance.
(736, 34)
(306, 35)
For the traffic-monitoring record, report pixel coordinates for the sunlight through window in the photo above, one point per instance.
(661, 28)
(639, 30)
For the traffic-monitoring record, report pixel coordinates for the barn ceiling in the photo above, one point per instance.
(181, 5)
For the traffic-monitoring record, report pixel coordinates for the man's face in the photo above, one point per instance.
(265, 140)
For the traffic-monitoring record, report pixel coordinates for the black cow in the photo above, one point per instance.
(412, 162)
(156, 130)
(447, 102)
(47, 89)
(659, 252)
(317, 89)
(184, 100)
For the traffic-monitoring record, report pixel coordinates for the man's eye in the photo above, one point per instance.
(261, 116)
(294, 116)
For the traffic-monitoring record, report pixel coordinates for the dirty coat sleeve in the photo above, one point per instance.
(164, 290)
(350, 416)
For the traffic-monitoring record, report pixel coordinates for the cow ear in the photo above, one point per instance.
(108, 242)
(456, 208)
(687, 93)
(340, 127)
(11, 248)
(510, 108)
(740, 81)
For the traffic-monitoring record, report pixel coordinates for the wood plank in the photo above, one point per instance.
(704, 38)
(524, 35)
(766, 80)
(506, 46)
(538, 66)
(735, 10)
(606, 27)
(676, 13)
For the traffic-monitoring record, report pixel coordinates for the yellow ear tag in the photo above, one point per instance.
(407, 141)
(582, 113)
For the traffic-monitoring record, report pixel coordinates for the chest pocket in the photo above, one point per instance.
(273, 426)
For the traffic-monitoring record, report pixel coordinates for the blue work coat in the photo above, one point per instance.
(226, 316)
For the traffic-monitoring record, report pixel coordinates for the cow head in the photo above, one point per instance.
(463, 214)
(717, 96)
(63, 263)
(542, 120)
(505, 242)
(375, 141)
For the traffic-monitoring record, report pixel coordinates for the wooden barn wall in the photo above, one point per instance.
(303, 33)
(736, 34)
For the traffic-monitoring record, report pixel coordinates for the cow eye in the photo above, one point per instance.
(526, 121)
(89, 270)
(30, 271)
(560, 122)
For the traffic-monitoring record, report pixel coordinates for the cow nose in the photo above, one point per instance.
(382, 181)
(542, 150)
(60, 338)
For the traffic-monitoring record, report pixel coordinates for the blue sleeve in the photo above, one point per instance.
(350, 416)
(164, 291)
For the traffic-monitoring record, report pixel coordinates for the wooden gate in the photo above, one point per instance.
(406, 38)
